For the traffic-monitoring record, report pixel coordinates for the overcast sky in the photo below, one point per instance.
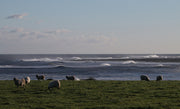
(89, 26)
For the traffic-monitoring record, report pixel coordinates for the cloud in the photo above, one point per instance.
(39, 22)
(41, 34)
(69, 42)
(17, 30)
(61, 35)
(58, 31)
(4, 27)
(4, 30)
(17, 16)
(94, 38)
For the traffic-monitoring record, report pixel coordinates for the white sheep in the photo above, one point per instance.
(144, 77)
(55, 83)
(18, 82)
(27, 79)
(159, 78)
(40, 77)
(77, 79)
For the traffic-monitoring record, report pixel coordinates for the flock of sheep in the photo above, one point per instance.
(146, 78)
(57, 84)
(52, 84)
(24, 81)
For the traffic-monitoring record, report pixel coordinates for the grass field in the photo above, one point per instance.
(92, 95)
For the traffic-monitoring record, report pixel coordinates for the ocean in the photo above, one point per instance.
(83, 66)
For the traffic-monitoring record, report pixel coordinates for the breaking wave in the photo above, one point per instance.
(76, 58)
(160, 65)
(43, 59)
(23, 67)
(104, 58)
(125, 57)
(151, 56)
(129, 62)
(105, 64)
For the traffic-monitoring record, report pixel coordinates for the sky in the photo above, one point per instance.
(89, 26)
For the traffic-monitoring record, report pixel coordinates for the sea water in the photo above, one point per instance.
(83, 66)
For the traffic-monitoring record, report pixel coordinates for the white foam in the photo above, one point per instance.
(129, 62)
(105, 64)
(97, 58)
(105, 58)
(6, 66)
(76, 58)
(151, 56)
(124, 58)
(43, 59)
(13, 66)
(160, 65)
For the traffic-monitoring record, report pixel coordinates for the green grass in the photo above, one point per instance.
(91, 95)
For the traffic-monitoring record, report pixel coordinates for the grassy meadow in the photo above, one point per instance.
(91, 95)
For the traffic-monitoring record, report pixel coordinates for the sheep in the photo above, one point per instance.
(77, 79)
(27, 79)
(144, 77)
(159, 78)
(72, 78)
(55, 83)
(40, 77)
(18, 82)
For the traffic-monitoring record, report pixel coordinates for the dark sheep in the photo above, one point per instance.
(144, 77)
(72, 78)
(55, 83)
(40, 77)
(159, 78)
(18, 82)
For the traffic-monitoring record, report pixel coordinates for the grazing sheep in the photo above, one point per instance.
(27, 79)
(159, 78)
(18, 82)
(144, 77)
(72, 78)
(40, 77)
(77, 79)
(55, 83)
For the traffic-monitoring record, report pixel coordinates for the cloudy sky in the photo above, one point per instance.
(89, 26)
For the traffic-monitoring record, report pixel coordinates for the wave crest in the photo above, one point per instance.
(105, 64)
(151, 56)
(42, 59)
(129, 62)
(76, 58)
(125, 57)
(23, 67)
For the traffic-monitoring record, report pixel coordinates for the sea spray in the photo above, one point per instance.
(43, 59)
(105, 64)
(129, 62)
